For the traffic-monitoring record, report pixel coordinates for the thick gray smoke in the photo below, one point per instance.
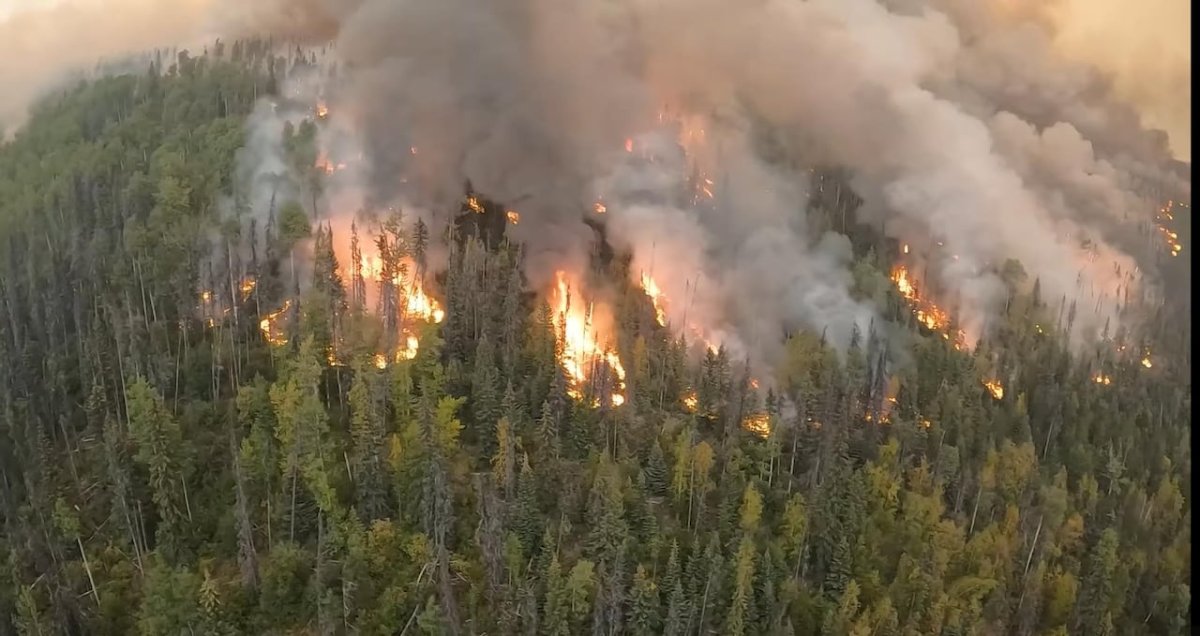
(964, 127)
(968, 134)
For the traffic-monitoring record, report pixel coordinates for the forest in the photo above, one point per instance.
(197, 436)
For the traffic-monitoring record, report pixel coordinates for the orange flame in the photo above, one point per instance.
(514, 217)
(581, 350)
(629, 145)
(934, 318)
(270, 327)
(652, 290)
(1102, 379)
(995, 388)
(322, 110)
(1146, 362)
(473, 203)
(247, 286)
(691, 401)
(758, 423)
(600, 208)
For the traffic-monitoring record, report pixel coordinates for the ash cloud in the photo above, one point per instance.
(962, 124)
(972, 130)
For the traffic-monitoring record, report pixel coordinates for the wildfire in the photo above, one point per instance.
(581, 351)
(905, 248)
(206, 296)
(514, 217)
(269, 325)
(691, 402)
(995, 388)
(381, 361)
(655, 294)
(1169, 237)
(758, 423)
(411, 345)
(1102, 379)
(247, 286)
(473, 203)
(600, 208)
(322, 110)
(1146, 362)
(326, 165)
(934, 318)
(417, 304)
(628, 145)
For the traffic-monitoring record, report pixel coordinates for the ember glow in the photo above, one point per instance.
(1146, 362)
(581, 352)
(1102, 379)
(473, 203)
(995, 388)
(322, 110)
(600, 208)
(513, 216)
(1170, 237)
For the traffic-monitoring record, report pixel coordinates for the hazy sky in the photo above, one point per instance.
(1144, 45)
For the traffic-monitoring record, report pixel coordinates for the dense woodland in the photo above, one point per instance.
(164, 474)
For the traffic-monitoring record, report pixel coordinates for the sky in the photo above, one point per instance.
(1144, 45)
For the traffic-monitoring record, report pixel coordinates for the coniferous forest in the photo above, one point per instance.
(167, 469)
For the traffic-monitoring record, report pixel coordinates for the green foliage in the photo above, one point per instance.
(168, 470)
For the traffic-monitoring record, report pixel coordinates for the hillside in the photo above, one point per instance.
(213, 422)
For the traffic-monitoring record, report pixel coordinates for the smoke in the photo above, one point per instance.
(975, 131)
(962, 126)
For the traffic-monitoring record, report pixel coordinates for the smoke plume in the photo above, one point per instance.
(975, 131)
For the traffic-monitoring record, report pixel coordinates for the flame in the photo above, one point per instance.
(581, 351)
(411, 345)
(322, 110)
(758, 423)
(905, 248)
(380, 360)
(1147, 363)
(206, 296)
(1169, 237)
(628, 145)
(417, 304)
(1102, 379)
(247, 286)
(269, 326)
(934, 318)
(924, 423)
(420, 305)
(332, 359)
(691, 402)
(995, 388)
(514, 217)
(600, 208)
(326, 165)
(652, 290)
(753, 383)
(473, 203)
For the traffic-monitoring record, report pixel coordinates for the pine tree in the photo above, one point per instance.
(158, 440)
(643, 604)
(527, 516)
